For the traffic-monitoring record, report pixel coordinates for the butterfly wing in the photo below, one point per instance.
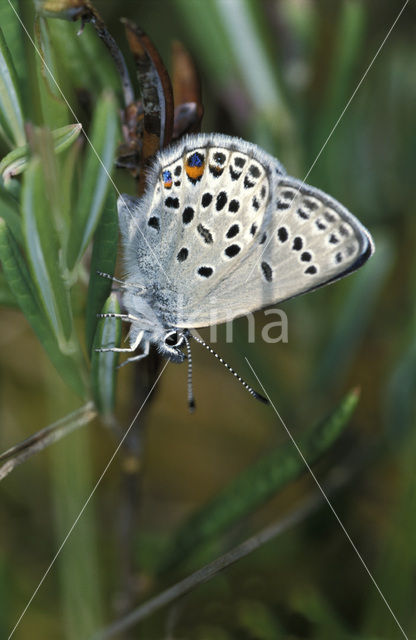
(309, 243)
(223, 231)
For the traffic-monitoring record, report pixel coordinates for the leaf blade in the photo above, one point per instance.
(11, 116)
(15, 162)
(94, 188)
(43, 253)
(18, 279)
(103, 259)
(256, 484)
(103, 367)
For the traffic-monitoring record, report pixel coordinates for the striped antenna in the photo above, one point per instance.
(246, 386)
(191, 399)
(124, 285)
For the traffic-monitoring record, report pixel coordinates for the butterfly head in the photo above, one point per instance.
(170, 343)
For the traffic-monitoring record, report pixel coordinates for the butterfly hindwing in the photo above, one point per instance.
(222, 230)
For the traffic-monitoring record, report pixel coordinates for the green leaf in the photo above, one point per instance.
(257, 484)
(17, 160)
(103, 259)
(94, 188)
(103, 368)
(83, 58)
(7, 299)
(14, 34)
(18, 279)
(11, 116)
(43, 252)
(9, 211)
(52, 86)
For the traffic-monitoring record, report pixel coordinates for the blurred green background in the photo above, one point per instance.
(278, 73)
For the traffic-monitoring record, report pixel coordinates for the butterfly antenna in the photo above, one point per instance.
(124, 285)
(246, 386)
(191, 400)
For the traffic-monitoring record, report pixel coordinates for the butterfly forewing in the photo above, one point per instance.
(214, 200)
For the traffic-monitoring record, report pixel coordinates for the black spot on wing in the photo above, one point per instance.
(232, 250)
(255, 204)
(234, 206)
(297, 243)
(205, 234)
(205, 272)
(154, 223)
(302, 213)
(219, 157)
(282, 234)
(233, 231)
(188, 215)
(221, 201)
(267, 271)
(311, 270)
(239, 162)
(206, 199)
(182, 255)
(215, 170)
(172, 203)
(248, 184)
(235, 175)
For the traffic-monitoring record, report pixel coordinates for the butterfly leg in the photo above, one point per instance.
(145, 353)
(130, 349)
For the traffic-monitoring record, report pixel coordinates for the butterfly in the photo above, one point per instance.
(221, 231)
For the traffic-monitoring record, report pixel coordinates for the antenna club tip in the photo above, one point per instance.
(262, 399)
(191, 405)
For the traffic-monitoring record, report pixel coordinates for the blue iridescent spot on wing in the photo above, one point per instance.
(195, 160)
(167, 179)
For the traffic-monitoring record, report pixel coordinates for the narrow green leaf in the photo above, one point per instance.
(257, 484)
(43, 252)
(55, 111)
(18, 279)
(84, 58)
(81, 582)
(9, 211)
(11, 116)
(14, 34)
(17, 160)
(94, 188)
(103, 259)
(103, 368)
(7, 299)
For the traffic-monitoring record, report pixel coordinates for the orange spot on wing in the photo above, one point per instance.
(194, 172)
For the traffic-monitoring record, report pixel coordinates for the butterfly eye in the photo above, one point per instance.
(173, 339)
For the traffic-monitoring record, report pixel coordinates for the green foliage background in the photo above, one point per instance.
(278, 73)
